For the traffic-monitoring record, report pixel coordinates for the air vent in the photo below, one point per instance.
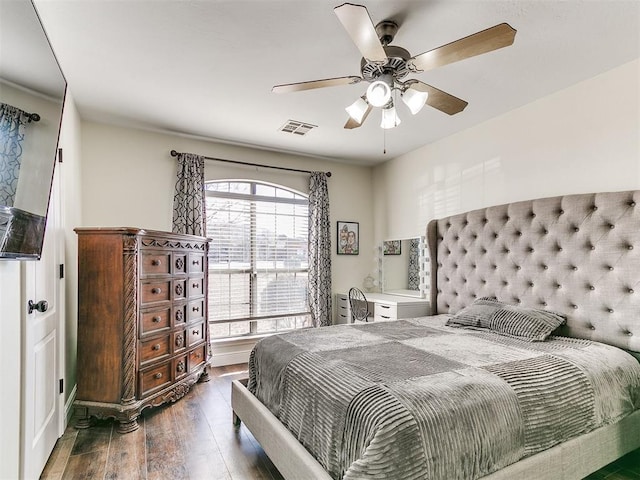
(299, 128)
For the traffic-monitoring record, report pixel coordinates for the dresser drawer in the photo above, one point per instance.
(195, 333)
(179, 290)
(154, 378)
(179, 314)
(154, 349)
(195, 287)
(195, 310)
(155, 320)
(179, 263)
(196, 263)
(196, 358)
(154, 292)
(179, 366)
(155, 263)
(384, 312)
(179, 340)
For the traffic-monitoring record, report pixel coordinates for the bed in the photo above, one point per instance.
(528, 366)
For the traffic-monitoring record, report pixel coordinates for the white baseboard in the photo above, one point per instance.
(231, 358)
(68, 406)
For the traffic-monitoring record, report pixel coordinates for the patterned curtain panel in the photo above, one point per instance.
(188, 201)
(319, 251)
(414, 264)
(12, 121)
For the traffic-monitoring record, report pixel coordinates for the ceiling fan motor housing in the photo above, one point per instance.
(396, 64)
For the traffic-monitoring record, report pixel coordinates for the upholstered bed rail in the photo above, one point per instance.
(576, 254)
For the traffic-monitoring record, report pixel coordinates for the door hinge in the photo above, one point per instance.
(61, 385)
(61, 270)
(59, 155)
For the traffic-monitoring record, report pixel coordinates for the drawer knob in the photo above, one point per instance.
(195, 309)
(156, 347)
(180, 367)
(157, 376)
(195, 285)
(195, 332)
(156, 319)
(155, 262)
(156, 290)
(196, 262)
(197, 355)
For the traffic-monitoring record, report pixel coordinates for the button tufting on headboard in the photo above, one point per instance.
(573, 254)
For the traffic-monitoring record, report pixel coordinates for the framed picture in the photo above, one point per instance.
(348, 238)
(392, 247)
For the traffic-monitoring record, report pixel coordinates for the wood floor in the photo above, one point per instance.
(194, 439)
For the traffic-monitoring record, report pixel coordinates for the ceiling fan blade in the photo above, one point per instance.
(357, 22)
(438, 99)
(351, 123)
(327, 82)
(493, 38)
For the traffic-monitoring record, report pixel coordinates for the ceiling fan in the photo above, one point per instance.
(385, 67)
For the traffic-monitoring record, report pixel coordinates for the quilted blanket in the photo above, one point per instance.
(417, 399)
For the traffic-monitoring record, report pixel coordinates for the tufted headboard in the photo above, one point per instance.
(574, 254)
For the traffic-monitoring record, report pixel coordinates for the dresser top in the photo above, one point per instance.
(134, 231)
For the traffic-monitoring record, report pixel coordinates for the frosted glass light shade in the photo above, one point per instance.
(378, 93)
(414, 99)
(358, 109)
(389, 118)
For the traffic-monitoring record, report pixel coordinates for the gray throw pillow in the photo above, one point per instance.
(532, 324)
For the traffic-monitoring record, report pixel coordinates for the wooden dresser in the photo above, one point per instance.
(142, 321)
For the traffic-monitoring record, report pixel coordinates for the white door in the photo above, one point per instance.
(43, 404)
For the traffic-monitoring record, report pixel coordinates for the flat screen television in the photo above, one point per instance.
(32, 94)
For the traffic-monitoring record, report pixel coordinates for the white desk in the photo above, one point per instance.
(383, 307)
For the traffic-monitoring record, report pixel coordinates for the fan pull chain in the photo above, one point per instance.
(384, 141)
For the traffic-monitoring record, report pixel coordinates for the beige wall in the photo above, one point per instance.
(582, 139)
(128, 179)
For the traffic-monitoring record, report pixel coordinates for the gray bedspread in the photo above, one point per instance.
(416, 399)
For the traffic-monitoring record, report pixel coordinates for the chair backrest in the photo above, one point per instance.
(358, 305)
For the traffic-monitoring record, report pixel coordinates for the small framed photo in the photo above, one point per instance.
(348, 238)
(392, 247)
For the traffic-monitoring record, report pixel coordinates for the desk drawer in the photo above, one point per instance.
(384, 312)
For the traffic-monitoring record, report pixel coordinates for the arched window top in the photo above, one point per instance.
(253, 188)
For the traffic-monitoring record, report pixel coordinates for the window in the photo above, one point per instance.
(258, 264)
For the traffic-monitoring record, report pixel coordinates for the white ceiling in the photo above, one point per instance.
(206, 68)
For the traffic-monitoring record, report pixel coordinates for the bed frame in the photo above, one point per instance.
(575, 254)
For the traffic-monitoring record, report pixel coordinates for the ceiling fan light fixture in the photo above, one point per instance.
(414, 99)
(379, 93)
(358, 109)
(390, 118)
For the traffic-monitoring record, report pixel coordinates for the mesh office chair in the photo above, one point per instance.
(358, 305)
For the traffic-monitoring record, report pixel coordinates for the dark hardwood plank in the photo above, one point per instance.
(127, 456)
(195, 439)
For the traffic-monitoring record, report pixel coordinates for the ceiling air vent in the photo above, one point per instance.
(299, 128)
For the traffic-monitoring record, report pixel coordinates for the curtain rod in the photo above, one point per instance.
(328, 174)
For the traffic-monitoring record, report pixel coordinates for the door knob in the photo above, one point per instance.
(41, 306)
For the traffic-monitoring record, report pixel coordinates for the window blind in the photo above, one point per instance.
(258, 263)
